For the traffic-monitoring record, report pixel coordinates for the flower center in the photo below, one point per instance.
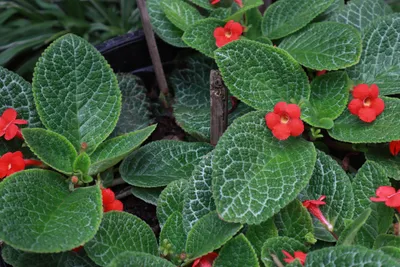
(285, 119)
(228, 34)
(9, 166)
(367, 102)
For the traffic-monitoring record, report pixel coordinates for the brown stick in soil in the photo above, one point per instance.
(153, 50)
(219, 106)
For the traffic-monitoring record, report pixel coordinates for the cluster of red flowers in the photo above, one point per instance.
(389, 195)
(109, 201)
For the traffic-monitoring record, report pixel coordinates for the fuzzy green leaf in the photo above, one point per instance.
(139, 259)
(237, 252)
(254, 19)
(204, 4)
(208, 234)
(114, 150)
(348, 236)
(82, 163)
(120, 232)
(331, 11)
(76, 92)
(246, 68)
(325, 46)
(288, 16)
(349, 128)
(382, 156)
(171, 200)
(391, 251)
(247, 5)
(53, 218)
(254, 174)
(161, 162)
(148, 195)
(329, 96)
(52, 148)
(387, 240)
(275, 245)
(259, 233)
(180, 13)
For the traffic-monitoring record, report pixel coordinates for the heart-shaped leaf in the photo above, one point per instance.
(54, 219)
(76, 92)
(275, 245)
(139, 259)
(246, 68)
(254, 174)
(382, 156)
(171, 200)
(348, 236)
(259, 233)
(180, 13)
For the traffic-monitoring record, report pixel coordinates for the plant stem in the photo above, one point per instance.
(153, 50)
(219, 106)
(118, 181)
(276, 260)
(124, 193)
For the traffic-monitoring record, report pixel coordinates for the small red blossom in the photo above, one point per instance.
(77, 249)
(320, 73)
(366, 103)
(206, 260)
(8, 124)
(230, 32)
(239, 2)
(388, 195)
(297, 255)
(108, 196)
(394, 147)
(285, 121)
(115, 205)
(313, 208)
(11, 163)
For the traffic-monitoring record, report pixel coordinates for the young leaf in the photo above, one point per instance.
(380, 58)
(259, 233)
(288, 16)
(348, 236)
(170, 200)
(325, 46)
(246, 68)
(387, 240)
(148, 195)
(200, 35)
(139, 259)
(382, 156)
(52, 148)
(162, 26)
(120, 232)
(82, 163)
(237, 252)
(161, 162)
(16, 93)
(114, 150)
(349, 256)
(208, 234)
(254, 174)
(180, 13)
(349, 128)
(294, 221)
(54, 219)
(329, 96)
(275, 245)
(76, 92)
(204, 4)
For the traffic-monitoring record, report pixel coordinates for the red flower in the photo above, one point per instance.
(313, 208)
(11, 163)
(206, 260)
(366, 103)
(227, 34)
(115, 205)
(394, 147)
(239, 2)
(320, 73)
(297, 255)
(285, 121)
(107, 195)
(388, 195)
(8, 124)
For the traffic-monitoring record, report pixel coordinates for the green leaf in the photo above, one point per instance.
(171, 200)
(164, 28)
(348, 256)
(247, 5)
(161, 162)
(139, 259)
(369, 177)
(173, 235)
(220, 13)
(391, 251)
(331, 11)
(387, 240)
(135, 111)
(254, 19)
(275, 245)
(246, 68)
(15, 92)
(120, 232)
(180, 13)
(288, 16)
(259, 233)
(39, 213)
(114, 150)
(76, 92)
(348, 236)
(237, 252)
(200, 35)
(349, 128)
(254, 174)
(52, 148)
(382, 156)
(294, 221)
(325, 46)
(208, 234)
(148, 195)
(360, 13)
(329, 96)
(82, 163)
(380, 58)
(198, 200)
(329, 179)
(204, 4)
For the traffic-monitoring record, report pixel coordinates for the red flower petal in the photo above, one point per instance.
(20, 122)
(394, 147)
(361, 91)
(219, 32)
(378, 105)
(355, 105)
(9, 114)
(3, 169)
(115, 205)
(213, 2)
(280, 108)
(393, 201)
(239, 2)
(108, 196)
(206, 260)
(272, 119)
(296, 127)
(385, 191)
(235, 28)
(293, 111)
(11, 132)
(289, 258)
(367, 114)
(281, 131)
(373, 91)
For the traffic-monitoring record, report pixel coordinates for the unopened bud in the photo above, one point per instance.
(74, 179)
(84, 146)
(183, 256)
